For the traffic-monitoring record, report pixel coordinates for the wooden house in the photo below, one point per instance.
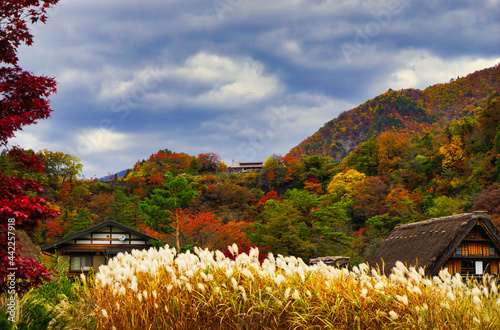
(467, 243)
(246, 166)
(90, 248)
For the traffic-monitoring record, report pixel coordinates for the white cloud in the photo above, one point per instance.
(291, 46)
(28, 139)
(104, 140)
(422, 69)
(234, 81)
(85, 143)
(203, 80)
(37, 137)
(104, 150)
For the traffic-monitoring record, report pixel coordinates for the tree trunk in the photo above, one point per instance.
(177, 244)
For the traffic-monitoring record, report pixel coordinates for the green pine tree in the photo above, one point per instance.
(162, 208)
(304, 225)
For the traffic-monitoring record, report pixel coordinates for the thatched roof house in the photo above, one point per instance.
(465, 243)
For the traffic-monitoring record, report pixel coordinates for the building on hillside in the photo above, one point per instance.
(467, 243)
(88, 249)
(246, 166)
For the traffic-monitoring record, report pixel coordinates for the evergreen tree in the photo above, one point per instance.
(304, 225)
(126, 210)
(162, 208)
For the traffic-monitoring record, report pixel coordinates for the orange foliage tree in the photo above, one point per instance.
(401, 203)
(153, 233)
(313, 185)
(208, 163)
(206, 231)
(391, 149)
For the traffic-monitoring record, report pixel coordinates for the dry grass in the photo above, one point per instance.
(159, 290)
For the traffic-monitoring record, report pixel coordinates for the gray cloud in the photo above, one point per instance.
(244, 79)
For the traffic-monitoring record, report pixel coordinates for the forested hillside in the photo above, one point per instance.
(410, 110)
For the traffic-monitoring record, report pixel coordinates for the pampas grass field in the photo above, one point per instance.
(159, 289)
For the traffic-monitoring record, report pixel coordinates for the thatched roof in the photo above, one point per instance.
(429, 243)
(28, 248)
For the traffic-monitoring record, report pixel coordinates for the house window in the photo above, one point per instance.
(79, 263)
(474, 267)
(479, 267)
(492, 251)
(458, 251)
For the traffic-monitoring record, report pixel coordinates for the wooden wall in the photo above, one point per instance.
(476, 246)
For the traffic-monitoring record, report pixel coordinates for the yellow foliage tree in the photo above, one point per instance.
(222, 167)
(453, 153)
(343, 184)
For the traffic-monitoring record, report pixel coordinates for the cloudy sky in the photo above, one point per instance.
(241, 78)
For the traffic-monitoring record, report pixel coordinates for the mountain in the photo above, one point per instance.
(110, 176)
(411, 110)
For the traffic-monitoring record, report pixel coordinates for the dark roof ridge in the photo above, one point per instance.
(435, 220)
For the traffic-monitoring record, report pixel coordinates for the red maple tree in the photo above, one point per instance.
(207, 231)
(23, 101)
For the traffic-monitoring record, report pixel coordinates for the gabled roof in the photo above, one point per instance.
(110, 223)
(431, 242)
